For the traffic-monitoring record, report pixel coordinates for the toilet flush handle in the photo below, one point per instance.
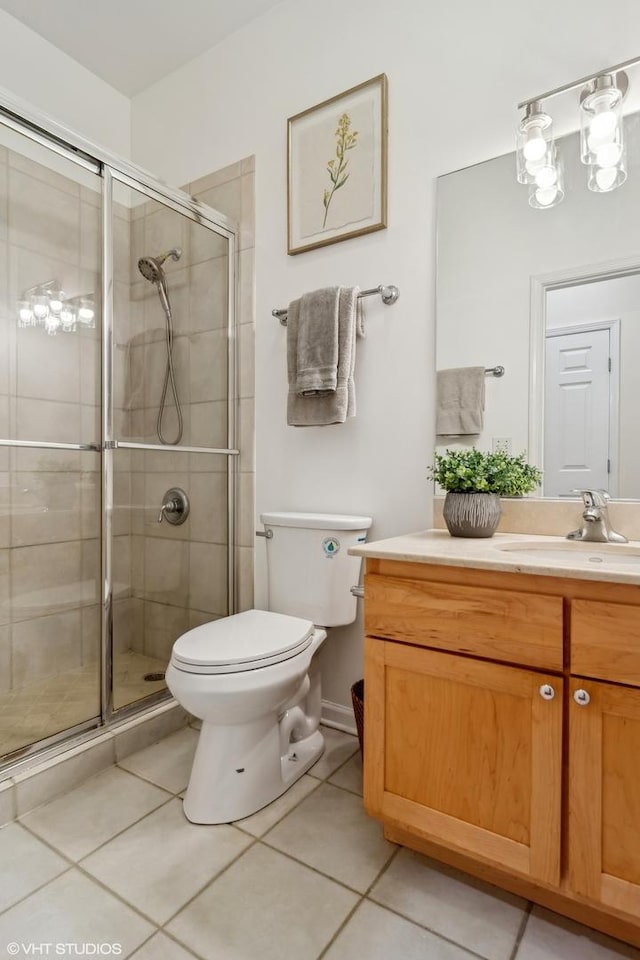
(358, 592)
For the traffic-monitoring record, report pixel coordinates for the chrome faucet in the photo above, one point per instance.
(596, 526)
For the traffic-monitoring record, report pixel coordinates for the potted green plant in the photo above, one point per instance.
(474, 482)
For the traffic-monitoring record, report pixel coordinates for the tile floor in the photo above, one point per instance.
(115, 862)
(38, 710)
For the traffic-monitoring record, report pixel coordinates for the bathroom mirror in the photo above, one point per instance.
(553, 296)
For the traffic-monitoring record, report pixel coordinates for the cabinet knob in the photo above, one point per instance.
(547, 692)
(581, 697)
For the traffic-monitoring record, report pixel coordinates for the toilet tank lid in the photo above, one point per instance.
(317, 521)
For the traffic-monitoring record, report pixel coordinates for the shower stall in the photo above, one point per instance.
(117, 431)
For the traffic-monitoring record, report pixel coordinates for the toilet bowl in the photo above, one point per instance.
(252, 678)
(246, 755)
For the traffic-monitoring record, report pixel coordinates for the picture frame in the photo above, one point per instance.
(337, 168)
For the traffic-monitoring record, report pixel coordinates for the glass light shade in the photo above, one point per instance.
(40, 307)
(55, 302)
(604, 179)
(52, 324)
(25, 314)
(86, 312)
(548, 190)
(546, 176)
(609, 155)
(534, 144)
(601, 127)
(68, 318)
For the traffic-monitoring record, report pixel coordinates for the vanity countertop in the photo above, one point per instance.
(513, 553)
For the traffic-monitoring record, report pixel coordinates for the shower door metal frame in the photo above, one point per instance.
(37, 133)
(198, 212)
(44, 130)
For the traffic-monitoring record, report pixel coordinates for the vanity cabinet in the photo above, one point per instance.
(604, 794)
(503, 730)
(467, 751)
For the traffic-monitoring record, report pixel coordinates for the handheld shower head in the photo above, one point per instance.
(151, 267)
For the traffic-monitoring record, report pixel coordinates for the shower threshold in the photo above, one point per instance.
(37, 711)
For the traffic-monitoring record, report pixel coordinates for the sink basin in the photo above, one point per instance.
(577, 553)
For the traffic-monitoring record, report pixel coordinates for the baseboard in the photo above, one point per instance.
(339, 717)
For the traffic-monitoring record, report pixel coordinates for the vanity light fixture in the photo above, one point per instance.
(46, 305)
(601, 137)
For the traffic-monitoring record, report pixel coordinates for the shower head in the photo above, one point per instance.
(151, 267)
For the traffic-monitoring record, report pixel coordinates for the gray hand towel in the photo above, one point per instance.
(335, 407)
(317, 352)
(460, 401)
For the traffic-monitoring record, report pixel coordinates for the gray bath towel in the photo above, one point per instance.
(321, 409)
(317, 351)
(460, 401)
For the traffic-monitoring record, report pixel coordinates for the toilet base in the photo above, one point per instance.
(237, 770)
(302, 755)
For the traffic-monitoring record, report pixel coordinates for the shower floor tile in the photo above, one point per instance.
(129, 669)
(38, 710)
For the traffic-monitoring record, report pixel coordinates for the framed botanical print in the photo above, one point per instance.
(337, 168)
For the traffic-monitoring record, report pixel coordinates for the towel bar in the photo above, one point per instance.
(388, 292)
(494, 371)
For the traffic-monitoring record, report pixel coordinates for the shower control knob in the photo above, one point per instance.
(175, 506)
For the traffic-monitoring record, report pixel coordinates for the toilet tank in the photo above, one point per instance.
(310, 570)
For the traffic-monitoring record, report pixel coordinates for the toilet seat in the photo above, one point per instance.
(244, 641)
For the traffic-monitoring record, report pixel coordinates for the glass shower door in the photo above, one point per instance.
(50, 441)
(108, 424)
(172, 426)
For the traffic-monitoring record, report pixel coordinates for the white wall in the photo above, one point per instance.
(34, 70)
(456, 71)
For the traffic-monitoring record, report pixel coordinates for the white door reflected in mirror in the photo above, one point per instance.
(577, 396)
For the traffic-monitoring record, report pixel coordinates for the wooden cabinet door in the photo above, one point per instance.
(465, 753)
(604, 793)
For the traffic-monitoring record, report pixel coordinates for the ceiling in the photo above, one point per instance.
(133, 43)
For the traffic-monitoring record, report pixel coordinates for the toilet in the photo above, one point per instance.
(252, 678)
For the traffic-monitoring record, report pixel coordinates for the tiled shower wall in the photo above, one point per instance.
(49, 390)
(164, 577)
(178, 573)
(231, 190)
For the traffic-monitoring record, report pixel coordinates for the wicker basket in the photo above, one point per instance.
(357, 698)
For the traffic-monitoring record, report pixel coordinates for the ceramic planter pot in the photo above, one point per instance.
(472, 514)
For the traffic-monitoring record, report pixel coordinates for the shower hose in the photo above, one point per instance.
(169, 373)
